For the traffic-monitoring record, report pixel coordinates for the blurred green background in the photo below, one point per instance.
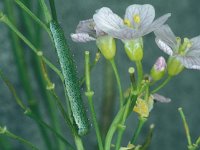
(184, 90)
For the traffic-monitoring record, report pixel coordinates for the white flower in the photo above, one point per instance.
(138, 21)
(86, 31)
(186, 52)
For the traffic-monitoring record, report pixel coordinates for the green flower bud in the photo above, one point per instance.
(134, 49)
(159, 69)
(107, 46)
(174, 66)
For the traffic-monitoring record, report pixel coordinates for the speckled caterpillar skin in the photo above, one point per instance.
(70, 78)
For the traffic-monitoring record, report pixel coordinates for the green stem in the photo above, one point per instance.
(45, 10)
(113, 128)
(37, 63)
(78, 142)
(89, 95)
(187, 131)
(53, 10)
(108, 99)
(19, 55)
(33, 107)
(45, 84)
(121, 129)
(147, 142)
(142, 120)
(162, 84)
(34, 49)
(82, 80)
(57, 134)
(140, 72)
(33, 16)
(122, 126)
(4, 131)
(118, 81)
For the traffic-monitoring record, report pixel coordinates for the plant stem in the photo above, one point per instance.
(34, 49)
(37, 64)
(82, 80)
(122, 126)
(78, 142)
(33, 108)
(118, 81)
(113, 128)
(162, 84)
(19, 55)
(187, 131)
(33, 16)
(89, 95)
(140, 72)
(147, 142)
(53, 10)
(45, 10)
(142, 120)
(108, 100)
(31, 115)
(4, 131)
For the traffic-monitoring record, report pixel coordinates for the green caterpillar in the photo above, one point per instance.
(70, 78)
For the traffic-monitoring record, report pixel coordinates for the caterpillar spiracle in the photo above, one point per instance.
(70, 78)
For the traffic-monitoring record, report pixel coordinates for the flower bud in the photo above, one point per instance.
(134, 49)
(107, 46)
(158, 69)
(174, 66)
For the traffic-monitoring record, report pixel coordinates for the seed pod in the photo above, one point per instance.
(70, 78)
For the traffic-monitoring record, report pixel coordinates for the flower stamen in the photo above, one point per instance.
(185, 46)
(136, 19)
(127, 22)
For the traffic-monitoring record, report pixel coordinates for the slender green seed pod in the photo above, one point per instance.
(70, 78)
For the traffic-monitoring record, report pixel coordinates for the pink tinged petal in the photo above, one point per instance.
(99, 32)
(82, 37)
(160, 98)
(146, 13)
(164, 47)
(86, 26)
(190, 62)
(107, 21)
(160, 64)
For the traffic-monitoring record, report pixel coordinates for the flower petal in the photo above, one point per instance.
(82, 37)
(163, 46)
(166, 35)
(113, 25)
(107, 21)
(195, 49)
(190, 62)
(161, 98)
(86, 26)
(145, 12)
